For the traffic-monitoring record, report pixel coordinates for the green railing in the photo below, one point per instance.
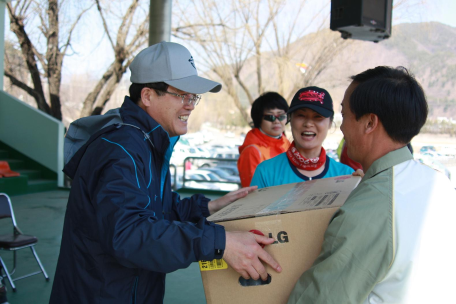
(33, 133)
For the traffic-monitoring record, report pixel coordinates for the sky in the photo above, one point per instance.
(413, 11)
(92, 57)
(443, 11)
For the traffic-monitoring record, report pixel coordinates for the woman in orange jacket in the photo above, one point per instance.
(267, 138)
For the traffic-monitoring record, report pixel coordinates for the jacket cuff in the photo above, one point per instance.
(204, 206)
(219, 241)
(214, 242)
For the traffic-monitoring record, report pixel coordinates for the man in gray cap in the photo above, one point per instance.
(124, 226)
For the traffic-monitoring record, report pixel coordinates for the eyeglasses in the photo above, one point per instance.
(192, 99)
(273, 118)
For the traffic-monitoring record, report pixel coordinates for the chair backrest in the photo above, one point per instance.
(4, 165)
(6, 209)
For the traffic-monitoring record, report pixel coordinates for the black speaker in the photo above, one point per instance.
(368, 20)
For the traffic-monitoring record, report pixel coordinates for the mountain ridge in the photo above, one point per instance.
(427, 50)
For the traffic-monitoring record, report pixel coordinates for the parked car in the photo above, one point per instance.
(200, 176)
(449, 151)
(198, 182)
(223, 174)
(427, 149)
(231, 169)
(196, 138)
(225, 157)
(433, 154)
(221, 147)
(203, 152)
(227, 154)
(198, 152)
(180, 152)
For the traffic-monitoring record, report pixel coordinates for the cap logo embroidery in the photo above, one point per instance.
(192, 62)
(312, 96)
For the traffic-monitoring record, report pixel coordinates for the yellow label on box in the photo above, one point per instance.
(213, 265)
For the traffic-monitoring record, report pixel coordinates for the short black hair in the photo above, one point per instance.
(136, 88)
(266, 101)
(394, 95)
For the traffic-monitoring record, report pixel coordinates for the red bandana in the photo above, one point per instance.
(308, 164)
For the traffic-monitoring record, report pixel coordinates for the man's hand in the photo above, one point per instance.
(358, 172)
(244, 253)
(227, 199)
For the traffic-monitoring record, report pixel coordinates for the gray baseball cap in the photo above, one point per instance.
(172, 64)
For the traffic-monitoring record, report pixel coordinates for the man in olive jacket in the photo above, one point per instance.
(393, 239)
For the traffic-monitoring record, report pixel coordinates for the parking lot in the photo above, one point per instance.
(210, 161)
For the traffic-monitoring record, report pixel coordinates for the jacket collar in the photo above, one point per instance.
(132, 114)
(255, 136)
(387, 161)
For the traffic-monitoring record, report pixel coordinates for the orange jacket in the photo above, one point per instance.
(256, 148)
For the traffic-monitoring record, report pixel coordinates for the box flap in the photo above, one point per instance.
(313, 194)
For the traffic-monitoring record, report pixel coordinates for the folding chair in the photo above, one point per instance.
(16, 241)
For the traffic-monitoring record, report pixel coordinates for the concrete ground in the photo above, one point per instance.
(42, 214)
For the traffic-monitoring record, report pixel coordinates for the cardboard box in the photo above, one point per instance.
(296, 215)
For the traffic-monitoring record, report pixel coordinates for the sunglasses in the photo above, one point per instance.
(273, 118)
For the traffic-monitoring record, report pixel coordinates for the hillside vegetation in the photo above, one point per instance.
(428, 50)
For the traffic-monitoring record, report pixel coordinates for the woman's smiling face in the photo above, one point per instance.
(309, 130)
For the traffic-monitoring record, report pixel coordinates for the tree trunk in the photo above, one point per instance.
(110, 87)
(100, 95)
(53, 57)
(260, 82)
(92, 97)
(17, 26)
(48, 55)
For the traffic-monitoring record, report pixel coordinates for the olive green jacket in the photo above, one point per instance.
(371, 243)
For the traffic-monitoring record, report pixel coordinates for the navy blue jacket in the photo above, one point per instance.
(124, 227)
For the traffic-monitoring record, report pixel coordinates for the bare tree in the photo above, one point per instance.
(301, 57)
(130, 36)
(229, 33)
(43, 60)
(313, 55)
(242, 38)
(250, 45)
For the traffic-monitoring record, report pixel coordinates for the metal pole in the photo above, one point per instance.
(160, 21)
